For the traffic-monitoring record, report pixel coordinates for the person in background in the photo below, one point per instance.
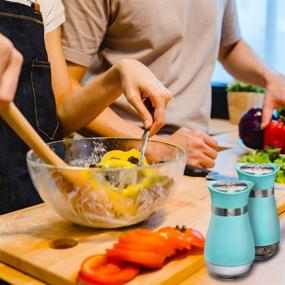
(180, 41)
(30, 52)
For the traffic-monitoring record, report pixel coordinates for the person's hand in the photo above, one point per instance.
(201, 148)
(10, 67)
(138, 82)
(274, 97)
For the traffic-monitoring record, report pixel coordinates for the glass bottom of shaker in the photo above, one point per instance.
(266, 252)
(228, 272)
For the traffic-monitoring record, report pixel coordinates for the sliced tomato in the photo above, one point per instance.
(97, 269)
(141, 258)
(176, 237)
(146, 247)
(196, 238)
(148, 241)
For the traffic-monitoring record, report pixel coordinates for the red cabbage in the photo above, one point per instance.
(249, 128)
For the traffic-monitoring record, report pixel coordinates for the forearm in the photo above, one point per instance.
(109, 124)
(242, 63)
(84, 104)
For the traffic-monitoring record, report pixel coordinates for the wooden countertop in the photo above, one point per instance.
(220, 126)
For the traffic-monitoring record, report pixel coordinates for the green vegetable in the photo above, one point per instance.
(242, 87)
(268, 155)
(280, 161)
(281, 113)
(256, 157)
(280, 177)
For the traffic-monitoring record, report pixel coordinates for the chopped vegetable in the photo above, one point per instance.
(150, 249)
(140, 247)
(183, 238)
(176, 237)
(146, 240)
(97, 269)
(119, 158)
(196, 238)
(120, 195)
(142, 258)
(256, 157)
(280, 177)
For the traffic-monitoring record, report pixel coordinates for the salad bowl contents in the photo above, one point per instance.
(119, 192)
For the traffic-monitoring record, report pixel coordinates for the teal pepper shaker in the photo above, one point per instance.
(229, 248)
(262, 207)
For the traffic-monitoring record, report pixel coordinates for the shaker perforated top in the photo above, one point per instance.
(257, 169)
(230, 186)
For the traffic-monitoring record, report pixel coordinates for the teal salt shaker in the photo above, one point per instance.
(262, 207)
(229, 248)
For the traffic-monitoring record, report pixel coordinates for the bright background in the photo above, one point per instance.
(262, 25)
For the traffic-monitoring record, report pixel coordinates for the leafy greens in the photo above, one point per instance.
(268, 155)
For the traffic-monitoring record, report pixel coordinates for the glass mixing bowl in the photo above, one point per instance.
(109, 197)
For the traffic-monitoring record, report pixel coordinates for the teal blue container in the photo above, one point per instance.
(262, 207)
(229, 247)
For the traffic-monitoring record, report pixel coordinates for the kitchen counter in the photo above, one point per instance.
(270, 272)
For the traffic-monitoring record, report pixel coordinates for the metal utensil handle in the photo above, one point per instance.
(151, 109)
(143, 147)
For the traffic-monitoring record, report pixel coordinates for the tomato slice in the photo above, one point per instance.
(141, 258)
(184, 238)
(195, 237)
(97, 269)
(144, 240)
(180, 241)
(146, 246)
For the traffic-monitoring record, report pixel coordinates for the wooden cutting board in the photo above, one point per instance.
(26, 235)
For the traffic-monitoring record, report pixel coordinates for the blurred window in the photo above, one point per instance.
(262, 24)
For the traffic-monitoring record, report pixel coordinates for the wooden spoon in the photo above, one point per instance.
(15, 119)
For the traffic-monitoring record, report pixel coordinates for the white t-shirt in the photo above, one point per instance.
(52, 11)
(178, 40)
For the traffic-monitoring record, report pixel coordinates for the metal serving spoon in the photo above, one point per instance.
(150, 108)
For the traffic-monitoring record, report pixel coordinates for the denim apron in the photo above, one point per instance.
(23, 25)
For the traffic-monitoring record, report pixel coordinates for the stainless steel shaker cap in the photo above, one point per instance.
(257, 169)
(230, 186)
